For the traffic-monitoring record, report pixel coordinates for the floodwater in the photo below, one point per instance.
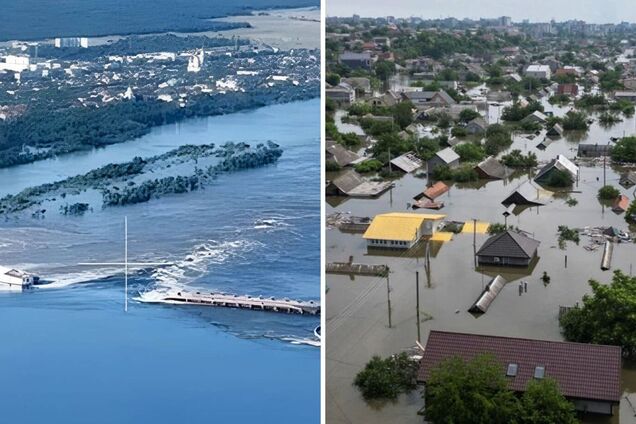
(369, 316)
(69, 352)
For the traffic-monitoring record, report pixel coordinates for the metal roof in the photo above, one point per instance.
(582, 371)
(408, 162)
(341, 156)
(562, 164)
(509, 244)
(489, 293)
(448, 155)
(527, 193)
(398, 226)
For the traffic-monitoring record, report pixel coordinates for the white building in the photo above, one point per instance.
(195, 62)
(16, 280)
(539, 71)
(67, 42)
(15, 63)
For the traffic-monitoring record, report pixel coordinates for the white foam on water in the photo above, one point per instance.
(58, 281)
(299, 341)
(182, 273)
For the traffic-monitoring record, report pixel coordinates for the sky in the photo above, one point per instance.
(593, 11)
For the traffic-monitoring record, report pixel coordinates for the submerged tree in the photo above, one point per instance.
(608, 315)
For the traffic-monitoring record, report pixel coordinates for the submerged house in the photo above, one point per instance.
(400, 230)
(621, 204)
(594, 150)
(447, 157)
(408, 162)
(337, 153)
(433, 192)
(527, 194)
(628, 180)
(555, 131)
(589, 375)
(489, 293)
(477, 126)
(510, 248)
(353, 185)
(16, 280)
(490, 168)
(559, 164)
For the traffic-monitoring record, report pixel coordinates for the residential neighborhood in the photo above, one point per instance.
(506, 152)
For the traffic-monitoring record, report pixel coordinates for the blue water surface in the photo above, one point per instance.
(70, 354)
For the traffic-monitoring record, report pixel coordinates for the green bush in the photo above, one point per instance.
(516, 159)
(459, 132)
(372, 165)
(387, 378)
(470, 152)
(608, 193)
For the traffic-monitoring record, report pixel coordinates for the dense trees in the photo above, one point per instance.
(607, 316)
(63, 131)
(476, 392)
(516, 159)
(625, 150)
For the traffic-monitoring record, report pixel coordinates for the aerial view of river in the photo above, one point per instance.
(68, 346)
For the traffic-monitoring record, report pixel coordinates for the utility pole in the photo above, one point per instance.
(390, 169)
(388, 297)
(475, 241)
(604, 170)
(417, 303)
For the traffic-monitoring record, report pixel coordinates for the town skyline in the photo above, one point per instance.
(612, 11)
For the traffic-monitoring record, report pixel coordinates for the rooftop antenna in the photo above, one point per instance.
(125, 264)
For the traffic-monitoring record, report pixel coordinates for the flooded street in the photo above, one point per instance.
(369, 316)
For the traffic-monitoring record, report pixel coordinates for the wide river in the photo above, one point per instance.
(69, 352)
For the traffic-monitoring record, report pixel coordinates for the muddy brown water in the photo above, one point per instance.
(357, 309)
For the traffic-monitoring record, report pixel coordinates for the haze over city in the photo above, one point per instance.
(611, 11)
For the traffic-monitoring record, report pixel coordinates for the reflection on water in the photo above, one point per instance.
(358, 309)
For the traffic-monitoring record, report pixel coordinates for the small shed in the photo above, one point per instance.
(489, 294)
(447, 157)
(510, 248)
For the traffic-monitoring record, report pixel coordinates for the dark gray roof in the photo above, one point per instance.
(348, 181)
(341, 156)
(493, 168)
(629, 179)
(509, 244)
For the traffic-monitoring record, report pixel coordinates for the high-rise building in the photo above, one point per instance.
(70, 42)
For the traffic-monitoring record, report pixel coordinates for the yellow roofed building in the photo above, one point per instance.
(400, 230)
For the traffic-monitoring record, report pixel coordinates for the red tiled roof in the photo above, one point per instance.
(583, 371)
(435, 190)
(621, 203)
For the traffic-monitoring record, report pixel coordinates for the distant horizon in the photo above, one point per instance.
(591, 11)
